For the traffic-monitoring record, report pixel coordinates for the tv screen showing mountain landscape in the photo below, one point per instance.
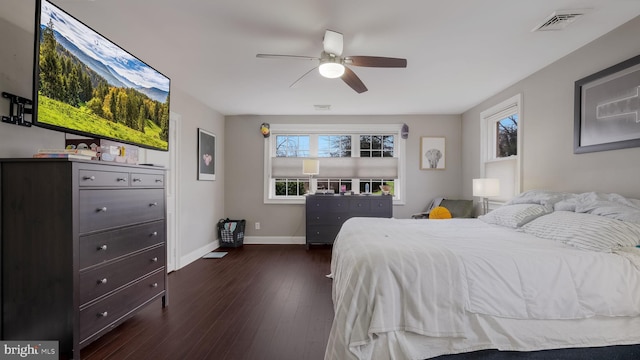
(87, 85)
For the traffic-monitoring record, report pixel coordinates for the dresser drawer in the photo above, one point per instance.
(328, 204)
(101, 280)
(322, 234)
(382, 206)
(360, 205)
(104, 209)
(335, 218)
(109, 310)
(102, 178)
(147, 180)
(98, 248)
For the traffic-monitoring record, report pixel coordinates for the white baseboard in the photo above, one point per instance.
(271, 240)
(197, 254)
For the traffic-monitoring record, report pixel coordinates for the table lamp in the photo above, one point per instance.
(484, 188)
(310, 167)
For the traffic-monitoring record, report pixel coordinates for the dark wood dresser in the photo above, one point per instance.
(325, 214)
(83, 248)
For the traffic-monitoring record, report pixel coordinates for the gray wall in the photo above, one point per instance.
(245, 166)
(548, 95)
(202, 202)
(548, 159)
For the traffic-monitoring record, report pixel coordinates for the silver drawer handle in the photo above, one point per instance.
(90, 178)
(102, 209)
(155, 259)
(103, 281)
(155, 233)
(137, 180)
(154, 204)
(103, 247)
(154, 285)
(121, 179)
(158, 180)
(103, 314)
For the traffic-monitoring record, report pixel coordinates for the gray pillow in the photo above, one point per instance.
(516, 215)
(458, 208)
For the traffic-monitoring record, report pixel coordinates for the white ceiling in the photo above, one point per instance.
(459, 52)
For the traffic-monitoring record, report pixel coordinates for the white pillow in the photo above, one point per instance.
(515, 215)
(585, 231)
(609, 205)
(542, 197)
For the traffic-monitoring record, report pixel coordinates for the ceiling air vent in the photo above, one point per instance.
(560, 19)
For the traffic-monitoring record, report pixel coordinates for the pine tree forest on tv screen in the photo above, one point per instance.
(71, 95)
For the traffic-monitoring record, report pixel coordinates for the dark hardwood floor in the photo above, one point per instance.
(258, 302)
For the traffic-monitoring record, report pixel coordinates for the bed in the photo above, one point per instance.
(545, 271)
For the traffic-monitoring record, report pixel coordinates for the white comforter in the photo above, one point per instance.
(426, 277)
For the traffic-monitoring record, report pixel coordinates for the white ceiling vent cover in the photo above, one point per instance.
(560, 19)
(322, 107)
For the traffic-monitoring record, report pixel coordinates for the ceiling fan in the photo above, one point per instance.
(331, 63)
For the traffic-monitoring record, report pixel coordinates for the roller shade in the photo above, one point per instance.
(505, 170)
(345, 168)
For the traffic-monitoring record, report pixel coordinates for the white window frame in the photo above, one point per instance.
(330, 129)
(488, 123)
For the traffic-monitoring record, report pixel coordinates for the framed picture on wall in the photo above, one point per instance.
(432, 153)
(206, 155)
(607, 109)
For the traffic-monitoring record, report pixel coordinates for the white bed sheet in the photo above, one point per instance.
(469, 283)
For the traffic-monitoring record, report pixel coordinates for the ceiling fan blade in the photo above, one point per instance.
(332, 42)
(376, 61)
(351, 79)
(297, 57)
(297, 82)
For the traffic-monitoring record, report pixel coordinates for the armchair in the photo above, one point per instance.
(457, 208)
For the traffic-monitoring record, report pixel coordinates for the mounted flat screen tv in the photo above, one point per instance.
(85, 84)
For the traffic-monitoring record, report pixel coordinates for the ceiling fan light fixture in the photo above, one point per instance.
(331, 70)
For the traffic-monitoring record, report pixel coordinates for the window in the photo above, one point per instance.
(352, 158)
(291, 187)
(501, 145)
(376, 145)
(292, 145)
(334, 145)
(507, 136)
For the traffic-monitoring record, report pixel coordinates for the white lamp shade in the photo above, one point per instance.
(486, 187)
(331, 70)
(310, 167)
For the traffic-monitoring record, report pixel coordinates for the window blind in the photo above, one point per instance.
(505, 170)
(344, 167)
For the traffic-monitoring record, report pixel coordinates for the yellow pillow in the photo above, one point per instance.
(439, 212)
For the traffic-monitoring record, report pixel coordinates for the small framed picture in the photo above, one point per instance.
(206, 155)
(432, 153)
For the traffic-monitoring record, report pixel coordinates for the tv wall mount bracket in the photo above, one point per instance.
(18, 106)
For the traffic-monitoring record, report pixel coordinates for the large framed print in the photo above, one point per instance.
(607, 109)
(206, 155)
